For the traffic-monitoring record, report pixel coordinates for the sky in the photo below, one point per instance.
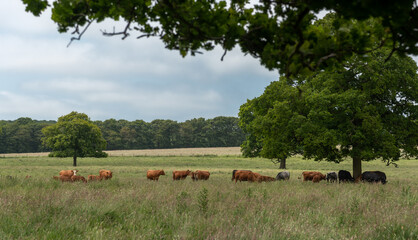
(107, 77)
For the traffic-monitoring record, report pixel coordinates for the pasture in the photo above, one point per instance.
(131, 207)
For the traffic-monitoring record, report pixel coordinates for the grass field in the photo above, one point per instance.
(131, 207)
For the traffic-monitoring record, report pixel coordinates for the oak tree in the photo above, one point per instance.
(281, 34)
(366, 110)
(74, 135)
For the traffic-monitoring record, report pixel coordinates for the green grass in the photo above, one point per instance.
(131, 207)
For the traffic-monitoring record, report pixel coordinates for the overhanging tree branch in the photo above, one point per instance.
(79, 34)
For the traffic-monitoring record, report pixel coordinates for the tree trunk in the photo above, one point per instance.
(282, 163)
(75, 161)
(356, 167)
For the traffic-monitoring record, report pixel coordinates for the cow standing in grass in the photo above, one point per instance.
(154, 174)
(374, 176)
(344, 176)
(200, 175)
(313, 176)
(68, 173)
(332, 177)
(243, 175)
(283, 175)
(105, 174)
(181, 175)
(234, 171)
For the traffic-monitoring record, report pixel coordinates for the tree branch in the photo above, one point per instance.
(79, 34)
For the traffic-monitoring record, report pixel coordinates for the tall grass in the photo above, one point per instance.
(131, 207)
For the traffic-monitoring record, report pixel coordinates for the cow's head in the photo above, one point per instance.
(162, 172)
(75, 171)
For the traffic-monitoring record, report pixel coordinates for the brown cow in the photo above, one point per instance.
(154, 174)
(76, 178)
(181, 175)
(94, 178)
(245, 176)
(200, 175)
(105, 174)
(313, 176)
(63, 178)
(234, 171)
(262, 178)
(68, 173)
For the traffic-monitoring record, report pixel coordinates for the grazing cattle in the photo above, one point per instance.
(374, 176)
(283, 175)
(105, 174)
(234, 171)
(200, 175)
(65, 178)
(243, 175)
(154, 174)
(262, 178)
(77, 178)
(344, 176)
(181, 175)
(68, 173)
(318, 178)
(312, 176)
(332, 177)
(94, 178)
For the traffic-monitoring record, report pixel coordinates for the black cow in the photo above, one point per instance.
(234, 171)
(344, 176)
(283, 175)
(374, 176)
(331, 177)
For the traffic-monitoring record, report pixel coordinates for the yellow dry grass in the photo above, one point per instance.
(218, 151)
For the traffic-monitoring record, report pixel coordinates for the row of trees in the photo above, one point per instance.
(25, 135)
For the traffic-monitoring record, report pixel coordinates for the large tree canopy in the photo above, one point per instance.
(74, 135)
(367, 110)
(281, 34)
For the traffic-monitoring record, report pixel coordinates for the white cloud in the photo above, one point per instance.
(112, 78)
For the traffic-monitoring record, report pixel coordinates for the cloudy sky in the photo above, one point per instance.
(42, 78)
(108, 78)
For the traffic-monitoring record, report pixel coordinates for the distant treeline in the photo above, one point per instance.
(24, 134)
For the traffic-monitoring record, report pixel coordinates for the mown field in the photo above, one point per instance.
(131, 207)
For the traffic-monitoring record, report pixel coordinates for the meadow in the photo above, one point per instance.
(130, 207)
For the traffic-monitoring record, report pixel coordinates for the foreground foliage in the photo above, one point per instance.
(281, 34)
(131, 207)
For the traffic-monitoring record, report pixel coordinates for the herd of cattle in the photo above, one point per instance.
(342, 176)
(71, 176)
(237, 175)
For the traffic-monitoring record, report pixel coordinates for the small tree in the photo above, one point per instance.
(74, 135)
